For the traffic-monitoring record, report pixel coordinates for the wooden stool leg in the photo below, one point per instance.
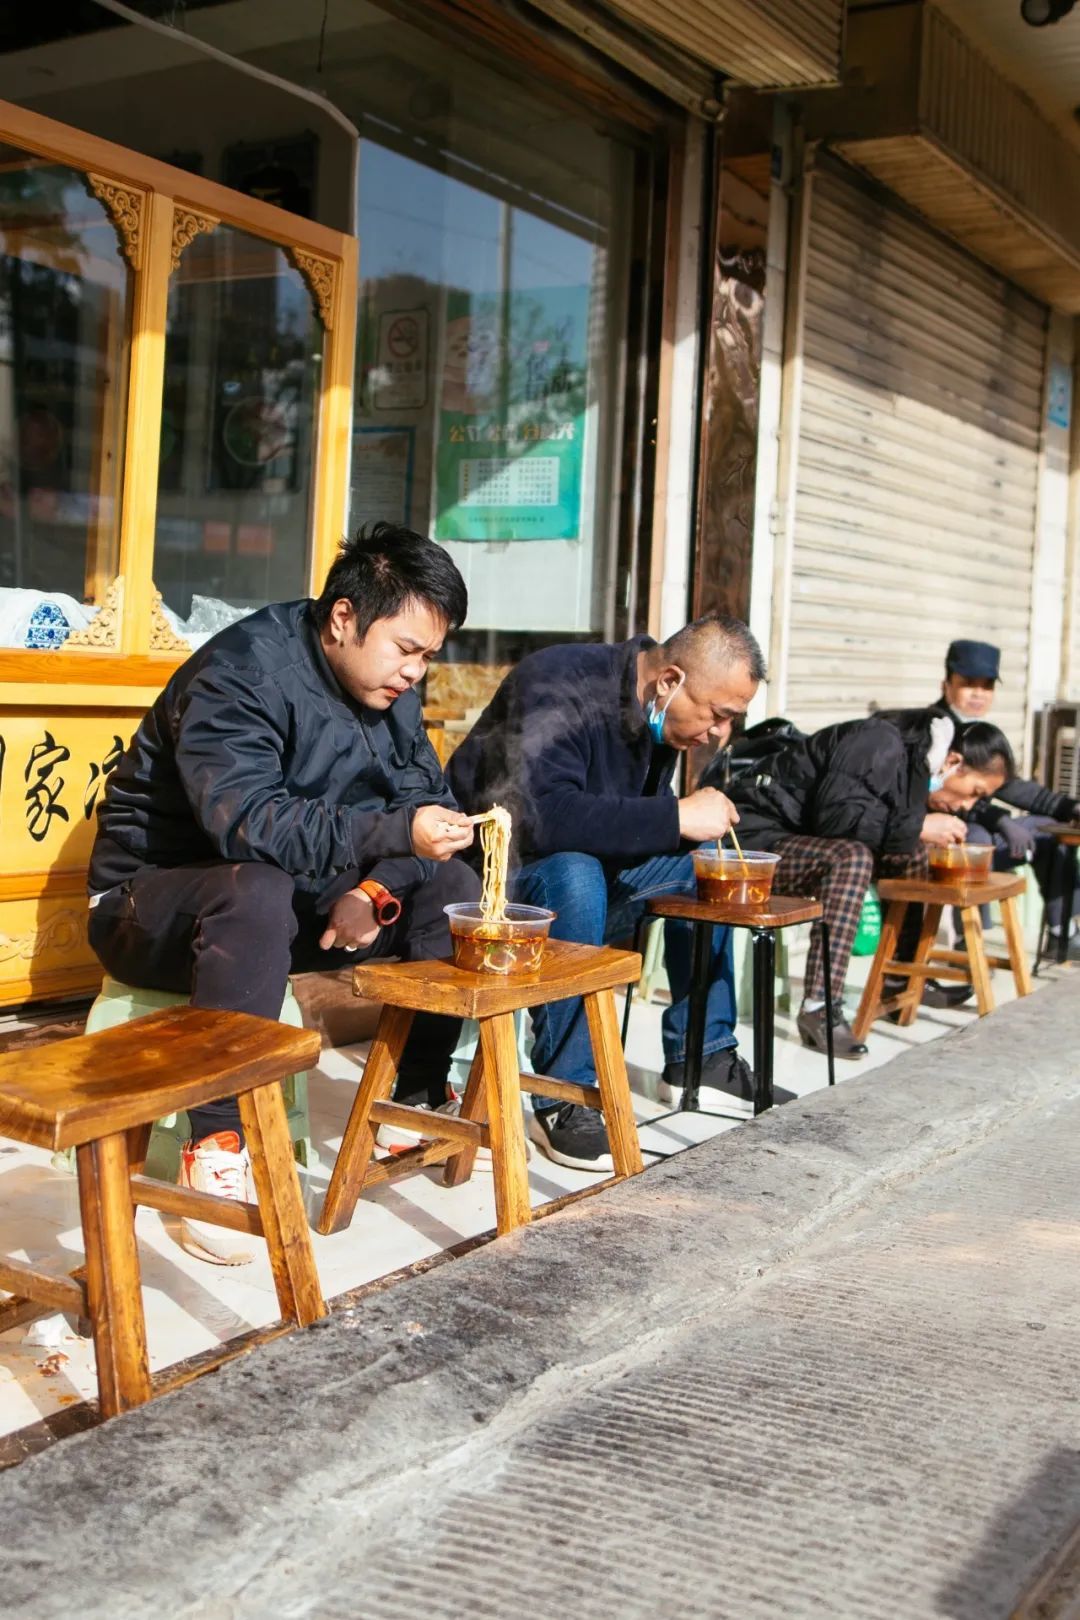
(1014, 938)
(113, 1284)
(502, 1081)
(980, 973)
(358, 1143)
(931, 921)
(473, 1106)
(281, 1204)
(614, 1086)
(871, 996)
(138, 1145)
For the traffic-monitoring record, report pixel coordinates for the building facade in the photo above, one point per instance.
(639, 308)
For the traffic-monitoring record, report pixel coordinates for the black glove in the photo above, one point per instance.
(1017, 838)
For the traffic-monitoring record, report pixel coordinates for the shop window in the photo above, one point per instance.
(243, 367)
(65, 305)
(491, 323)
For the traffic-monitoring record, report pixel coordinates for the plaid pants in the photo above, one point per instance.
(838, 872)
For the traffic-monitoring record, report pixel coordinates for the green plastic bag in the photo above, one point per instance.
(869, 930)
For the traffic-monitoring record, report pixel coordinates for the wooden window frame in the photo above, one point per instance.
(158, 210)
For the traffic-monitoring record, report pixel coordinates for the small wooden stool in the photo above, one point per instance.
(1068, 836)
(957, 967)
(495, 1080)
(782, 911)
(101, 1095)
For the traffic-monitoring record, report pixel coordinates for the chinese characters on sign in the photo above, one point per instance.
(510, 455)
(44, 799)
(43, 794)
(98, 773)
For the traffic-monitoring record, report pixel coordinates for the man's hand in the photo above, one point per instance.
(706, 814)
(941, 829)
(1019, 840)
(351, 923)
(438, 833)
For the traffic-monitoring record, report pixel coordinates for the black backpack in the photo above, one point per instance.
(746, 755)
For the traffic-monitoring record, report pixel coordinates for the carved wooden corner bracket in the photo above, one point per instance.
(187, 225)
(321, 276)
(126, 207)
(163, 638)
(103, 631)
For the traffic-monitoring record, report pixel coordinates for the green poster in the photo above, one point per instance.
(510, 454)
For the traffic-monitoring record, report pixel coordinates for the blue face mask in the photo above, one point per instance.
(654, 717)
(939, 778)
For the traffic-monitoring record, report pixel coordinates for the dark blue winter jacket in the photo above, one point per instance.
(564, 746)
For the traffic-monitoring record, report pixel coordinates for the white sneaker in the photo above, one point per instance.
(399, 1138)
(220, 1166)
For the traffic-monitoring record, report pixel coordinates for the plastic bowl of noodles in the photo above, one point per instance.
(727, 878)
(514, 945)
(961, 863)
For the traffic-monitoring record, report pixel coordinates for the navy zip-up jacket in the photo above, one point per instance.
(253, 752)
(564, 746)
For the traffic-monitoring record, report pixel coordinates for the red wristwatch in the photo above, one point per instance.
(387, 906)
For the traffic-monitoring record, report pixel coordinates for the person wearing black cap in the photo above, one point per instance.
(972, 671)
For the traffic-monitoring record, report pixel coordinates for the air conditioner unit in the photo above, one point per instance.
(1057, 748)
(1066, 777)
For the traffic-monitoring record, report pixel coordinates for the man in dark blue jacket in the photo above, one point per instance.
(580, 743)
(284, 764)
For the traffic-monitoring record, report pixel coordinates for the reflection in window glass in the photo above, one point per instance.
(243, 361)
(65, 294)
(490, 337)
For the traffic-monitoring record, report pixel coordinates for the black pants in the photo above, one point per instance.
(229, 934)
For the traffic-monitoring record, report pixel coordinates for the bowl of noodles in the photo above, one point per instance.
(491, 935)
(514, 944)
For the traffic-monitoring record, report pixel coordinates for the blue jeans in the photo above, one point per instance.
(594, 904)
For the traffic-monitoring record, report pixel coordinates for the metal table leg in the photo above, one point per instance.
(764, 1007)
(1071, 851)
(700, 961)
(826, 963)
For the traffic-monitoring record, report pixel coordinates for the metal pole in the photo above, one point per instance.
(764, 940)
(700, 965)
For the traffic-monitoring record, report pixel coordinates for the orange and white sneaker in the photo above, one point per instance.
(220, 1166)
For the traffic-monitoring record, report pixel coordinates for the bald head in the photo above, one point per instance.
(712, 643)
(704, 678)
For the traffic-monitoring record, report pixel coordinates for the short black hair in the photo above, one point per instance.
(719, 637)
(385, 567)
(983, 747)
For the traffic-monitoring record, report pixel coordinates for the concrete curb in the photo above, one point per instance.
(190, 1498)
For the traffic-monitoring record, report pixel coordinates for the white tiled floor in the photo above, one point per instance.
(191, 1306)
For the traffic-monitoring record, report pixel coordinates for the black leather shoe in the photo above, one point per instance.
(812, 1030)
(946, 995)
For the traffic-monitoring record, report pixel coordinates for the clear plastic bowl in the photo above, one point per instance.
(728, 879)
(514, 946)
(961, 863)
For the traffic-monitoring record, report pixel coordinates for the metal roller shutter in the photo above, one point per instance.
(915, 497)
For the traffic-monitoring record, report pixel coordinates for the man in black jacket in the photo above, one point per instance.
(284, 764)
(581, 743)
(857, 798)
(972, 671)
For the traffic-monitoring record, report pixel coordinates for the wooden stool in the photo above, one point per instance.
(782, 911)
(495, 1081)
(1068, 836)
(101, 1095)
(956, 967)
